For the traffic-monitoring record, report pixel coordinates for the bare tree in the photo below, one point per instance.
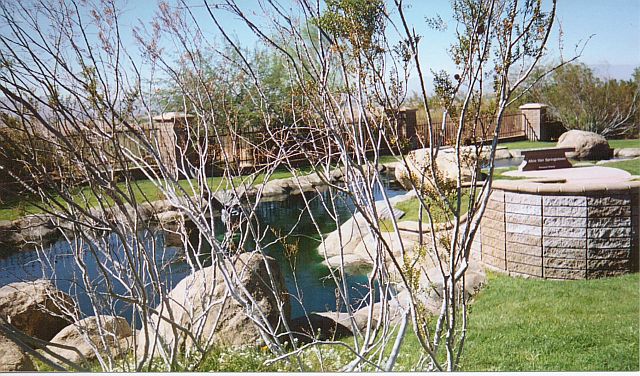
(74, 91)
(495, 41)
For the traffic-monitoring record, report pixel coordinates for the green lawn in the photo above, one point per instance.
(498, 173)
(631, 165)
(389, 159)
(620, 144)
(521, 324)
(411, 210)
(523, 145)
(143, 190)
(518, 324)
(515, 324)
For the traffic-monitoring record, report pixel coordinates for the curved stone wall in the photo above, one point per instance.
(560, 230)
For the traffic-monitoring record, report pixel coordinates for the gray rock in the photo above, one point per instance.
(168, 217)
(276, 187)
(431, 286)
(351, 232)
(627, 153)
(320, 326)
(353, 264)
(503, 153)
(104, 335)
(418, 162)
(6, 226)
(34, 308)
(200, 301)
(588, 145)
(12, 357)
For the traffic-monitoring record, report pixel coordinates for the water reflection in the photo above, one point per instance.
(305, 277)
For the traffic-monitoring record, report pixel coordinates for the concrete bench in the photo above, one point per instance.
(545, 159)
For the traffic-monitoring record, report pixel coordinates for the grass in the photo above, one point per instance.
(389, 159)
(498, 173)
(523, 145)
(632, 166)
(411, 210)
(621, 144)
(142, 190)
(518, 324)
(521, 324)
(515, 324)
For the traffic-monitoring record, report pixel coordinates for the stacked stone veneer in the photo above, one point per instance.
(546, 231)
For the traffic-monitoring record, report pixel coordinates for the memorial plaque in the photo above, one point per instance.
(545, 159)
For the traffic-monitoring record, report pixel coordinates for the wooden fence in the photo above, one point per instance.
(252, 148)
(514, 126)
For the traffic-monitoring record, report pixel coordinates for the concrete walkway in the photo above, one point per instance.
(595, 174)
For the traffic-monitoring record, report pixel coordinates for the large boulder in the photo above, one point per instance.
(350, 234)
(106, 335)
(34, 308)
(431, 286)
(588, 145)
(202, 304)
(25, 232)
(12, 357)
(627, 153)
(321, 326)
(419, 161)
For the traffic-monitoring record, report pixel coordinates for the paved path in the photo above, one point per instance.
(596, 174)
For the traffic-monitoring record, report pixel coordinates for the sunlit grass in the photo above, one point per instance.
(519, 324)
(516, 324)
(142, 191)
(632, 166)
(621, 144)
(524, 145)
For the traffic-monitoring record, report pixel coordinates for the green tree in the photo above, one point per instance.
(231, 91)
(581, 100)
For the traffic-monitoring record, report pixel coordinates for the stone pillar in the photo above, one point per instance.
(409, 131)
(533, 122)
(170, 127)
(406, 123)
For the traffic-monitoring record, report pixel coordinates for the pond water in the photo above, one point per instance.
(305, 276)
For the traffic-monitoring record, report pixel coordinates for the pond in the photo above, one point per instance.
(305, 276)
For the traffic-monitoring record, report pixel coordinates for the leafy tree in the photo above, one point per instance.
(581, 100)
(232, 94)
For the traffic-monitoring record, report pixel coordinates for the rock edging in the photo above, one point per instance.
(43, 229)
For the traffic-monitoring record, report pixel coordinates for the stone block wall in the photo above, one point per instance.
(560, 235)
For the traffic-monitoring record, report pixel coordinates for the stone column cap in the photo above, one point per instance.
(532, 106)
(172, 116)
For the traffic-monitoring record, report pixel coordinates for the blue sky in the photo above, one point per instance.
(611, 29)
(614, 24)
(613, 50)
